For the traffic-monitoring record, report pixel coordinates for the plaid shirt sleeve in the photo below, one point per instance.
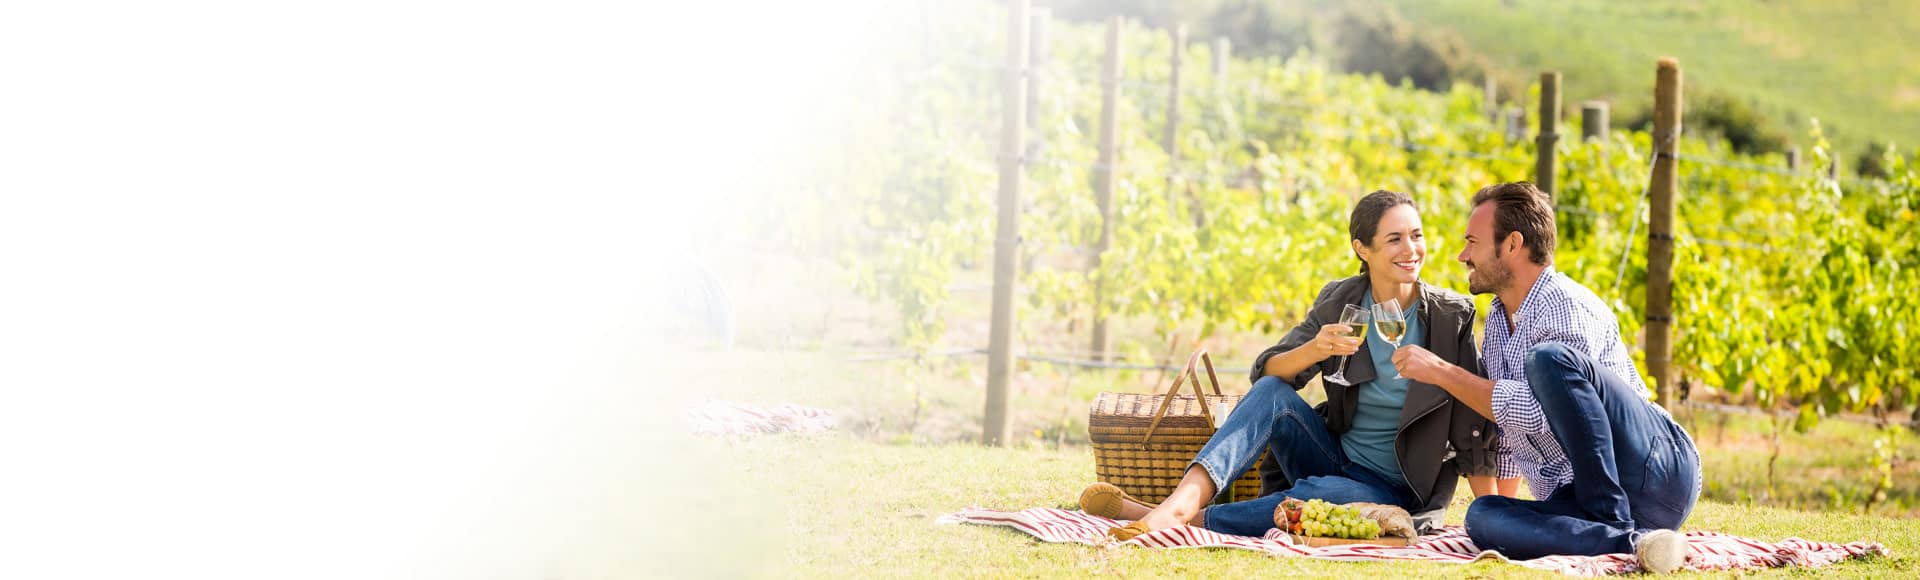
(1515, 409)
(1506, 467)
(1518, 414)
(1513, 404)
(1495, 364)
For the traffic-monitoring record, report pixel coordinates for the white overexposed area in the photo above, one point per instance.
(350, 289)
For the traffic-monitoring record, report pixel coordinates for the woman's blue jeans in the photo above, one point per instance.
(1634, 469)
(1273, 417)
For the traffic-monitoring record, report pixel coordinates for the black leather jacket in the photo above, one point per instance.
(1440, 439)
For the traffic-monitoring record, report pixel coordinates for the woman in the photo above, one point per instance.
(1380, 439)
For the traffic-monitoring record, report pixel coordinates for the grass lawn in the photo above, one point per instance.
(861, 502)
(839, 506)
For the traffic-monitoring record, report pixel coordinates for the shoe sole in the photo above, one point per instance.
(1105, 500)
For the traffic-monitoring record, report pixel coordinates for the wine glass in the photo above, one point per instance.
(1353, 320)
(1391, 324)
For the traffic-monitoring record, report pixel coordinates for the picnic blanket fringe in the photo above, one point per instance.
(724, 418)
(1706, 550)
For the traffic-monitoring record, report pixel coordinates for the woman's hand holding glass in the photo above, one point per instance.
(1345, 339)
(1336, 340)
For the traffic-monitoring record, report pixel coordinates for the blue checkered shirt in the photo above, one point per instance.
(1557, 309)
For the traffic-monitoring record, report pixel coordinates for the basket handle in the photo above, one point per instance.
(1201, 357)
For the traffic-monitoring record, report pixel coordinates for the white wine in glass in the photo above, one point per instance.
(1391, 323)
(1355, 319)
(1392, 330)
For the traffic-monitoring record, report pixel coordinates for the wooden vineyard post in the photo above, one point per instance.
(1544, 151)
(1171, 138)
(1516, 124)
(1593, 121)
(1036, 66)
(1103, 176)
(994, 429)
(1222, 53)
(1492, 98)
(1666, 169)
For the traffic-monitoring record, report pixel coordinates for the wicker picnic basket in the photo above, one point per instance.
(1144, 442)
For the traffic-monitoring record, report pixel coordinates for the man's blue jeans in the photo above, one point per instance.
(1634, 469)
(1273, 417)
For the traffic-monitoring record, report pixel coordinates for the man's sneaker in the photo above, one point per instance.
(1661, 551)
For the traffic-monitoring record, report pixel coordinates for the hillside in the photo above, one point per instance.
(1847, 62)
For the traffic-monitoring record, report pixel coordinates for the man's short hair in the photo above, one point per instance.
(1521, 207)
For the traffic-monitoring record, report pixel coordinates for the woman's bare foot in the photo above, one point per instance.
(1131, 509)
(1185, 505)
(1162, 518)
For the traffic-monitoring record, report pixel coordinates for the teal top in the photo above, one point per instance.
(1370, 441)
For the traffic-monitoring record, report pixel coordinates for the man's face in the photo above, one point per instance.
(1481, 254)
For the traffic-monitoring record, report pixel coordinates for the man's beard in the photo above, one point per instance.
(1491, 276)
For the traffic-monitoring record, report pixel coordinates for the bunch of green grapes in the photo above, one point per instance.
(1321, 519)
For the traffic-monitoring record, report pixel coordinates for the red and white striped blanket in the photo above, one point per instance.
(1707, 550)
(722, 418)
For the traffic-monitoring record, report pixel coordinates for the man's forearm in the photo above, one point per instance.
(1474, 390)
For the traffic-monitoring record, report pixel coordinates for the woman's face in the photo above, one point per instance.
(1398, 249)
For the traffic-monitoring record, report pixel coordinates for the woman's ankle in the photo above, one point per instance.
(1179, 512)
(1133, 510)
(1187, 501)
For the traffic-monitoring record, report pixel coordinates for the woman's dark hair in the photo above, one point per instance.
(1366, 217)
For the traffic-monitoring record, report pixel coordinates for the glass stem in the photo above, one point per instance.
(1396, 371)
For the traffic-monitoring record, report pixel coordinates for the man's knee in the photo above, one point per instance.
(1550, 356)
(1546, 363)
(1483, 506)
(1477, 513)
(1484, 517)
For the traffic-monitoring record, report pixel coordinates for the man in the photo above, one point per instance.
(1614, 473)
